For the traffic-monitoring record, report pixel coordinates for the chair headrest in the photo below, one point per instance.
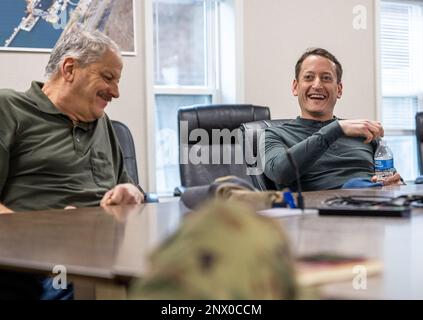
(251, 130)
(220, 116)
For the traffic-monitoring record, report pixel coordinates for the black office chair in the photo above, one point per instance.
(252, 133)
(127, 146)
(419, 142)
(419, 139)
(209, 118)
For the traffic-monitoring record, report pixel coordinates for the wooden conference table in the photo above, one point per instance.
(110, 247)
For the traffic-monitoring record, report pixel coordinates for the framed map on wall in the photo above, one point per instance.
(36, 25)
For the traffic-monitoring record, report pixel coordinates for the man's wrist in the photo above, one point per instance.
(332, 132)
(4, 209)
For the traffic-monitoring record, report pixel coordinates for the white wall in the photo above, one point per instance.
(277, 33)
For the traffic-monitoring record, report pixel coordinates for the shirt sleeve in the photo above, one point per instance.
(8, 127)
(124, 177)
(4, 165)
(277, 166)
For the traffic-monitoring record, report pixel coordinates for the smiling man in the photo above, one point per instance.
(328, 151)
(57, 146)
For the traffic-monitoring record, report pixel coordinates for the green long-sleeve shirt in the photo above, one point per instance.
(46, 161)
(326, 158)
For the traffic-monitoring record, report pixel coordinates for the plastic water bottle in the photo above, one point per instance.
(384, 161)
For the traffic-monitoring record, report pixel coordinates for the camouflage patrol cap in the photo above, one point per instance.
(223, 251)
(230, 188)
(195, 196)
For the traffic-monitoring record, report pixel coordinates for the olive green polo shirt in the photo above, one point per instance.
(46, 161)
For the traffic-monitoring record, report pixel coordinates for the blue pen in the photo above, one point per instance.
(289, 199)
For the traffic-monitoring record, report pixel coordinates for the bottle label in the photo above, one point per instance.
(384, 164)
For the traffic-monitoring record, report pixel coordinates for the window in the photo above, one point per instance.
(402, 79)
(185, 73)
(167, 152)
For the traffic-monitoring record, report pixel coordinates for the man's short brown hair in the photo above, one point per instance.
(322, 53)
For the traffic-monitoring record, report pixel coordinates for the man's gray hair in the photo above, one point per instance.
(85, 46)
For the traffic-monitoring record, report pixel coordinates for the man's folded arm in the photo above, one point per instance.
(305, 153)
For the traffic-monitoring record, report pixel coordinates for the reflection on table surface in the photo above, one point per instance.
(91, 242)
(115, 243)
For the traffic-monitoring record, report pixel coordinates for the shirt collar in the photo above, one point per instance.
(315, 123)
(44, 104)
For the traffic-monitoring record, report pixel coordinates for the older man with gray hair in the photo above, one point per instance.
(56, 143)
(57, 146)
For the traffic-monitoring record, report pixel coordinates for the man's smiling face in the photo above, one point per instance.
(95, 85)
(317, 88)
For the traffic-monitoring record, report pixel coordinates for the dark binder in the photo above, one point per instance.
(372, 211)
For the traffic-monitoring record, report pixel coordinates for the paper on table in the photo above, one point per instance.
(324, 268)
(286, 212)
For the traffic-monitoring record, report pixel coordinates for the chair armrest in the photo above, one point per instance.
(178, 191)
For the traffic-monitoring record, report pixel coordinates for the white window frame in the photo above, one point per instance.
(213, 78)
(378, 70)
(390, 132)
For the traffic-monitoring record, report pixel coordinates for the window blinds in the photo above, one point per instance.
(401, 60)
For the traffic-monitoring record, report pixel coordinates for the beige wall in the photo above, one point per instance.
(277, 32)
